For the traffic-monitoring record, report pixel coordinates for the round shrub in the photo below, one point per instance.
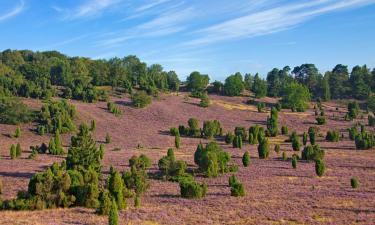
(263, 148)
(141, 99)
(277, 148)
(229, 137)
(296, 145)
(192, 189)
(354, 182)
(333, 136)
(246, 159)
(237, 190)
(232, 180)
(320, 167)
(321, 120)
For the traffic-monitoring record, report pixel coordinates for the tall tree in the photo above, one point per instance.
(259, 87)
(197, 82)
(233, 85)
(338, 81)
(359, 78)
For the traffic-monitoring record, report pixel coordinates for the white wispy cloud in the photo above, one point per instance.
(150, 5)
(88, 9)
(14, 12)
(270, 20)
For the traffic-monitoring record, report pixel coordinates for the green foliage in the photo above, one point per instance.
(17, 133)
(277, 148)
(205, 101)
(353, 131)
(263, 148)
(57, 116)
(192, 189)
(320, 167)
(18, 150)
(237, 188)
(137, 201)
(141, 99)
(140, 163)
(237, 142)
(92, 125)
(296, 96)
(294, 162)
(312, 135)
(12, 152)
(304, 138)
(259, 87)
(113, 214)
(241, 131)
(13, 111)
(353, 110)
(333, 136)
(83, 152)
(117, 188)
(173, 170)
(321, 120)
(354, 182)
(234, 85)
(177, 141)
(312, 152)
(194, 130)
(371, 103)
(211, 128)
(371, 121)
(257, 133)
(229, 137)
(364, 140)
(296, 144)
(212, 159)
(197, 83)
(114, 109)
(272, 124)
(174, 131)
(284, 130)
(55, 145)
(246, 159)
(261, 107)
(136, 180)
(105, 203)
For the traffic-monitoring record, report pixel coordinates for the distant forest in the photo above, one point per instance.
(45, 74)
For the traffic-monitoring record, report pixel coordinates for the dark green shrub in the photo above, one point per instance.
(257, 134)
(17, 133)
(321, 120)
(371, 121)
(364, 140)
(304, 138)
(13, 153)
(246, 159)
(55, 145)
(13, 111)
(241, 131)
(57, 116)
(192, 189)
(211, 129)
(353, 110)
(114, 109)
(177, 141)
(174, 131)
(194, 130)
(205, 101)
(272, 124)
(229, 137)
(18, 150)
(105, 203)
(116, 187)
(277, 148)
(278, 106)
(354, 182)
(183, 130)
(212, 159)
(294, 162)
(237, 190)
(296, 144)
(284, 130)
(333, 136)
(140, 163)
(136, 180)
(312, 135)
(312, 152)
(232, 180)
(263, 148)
(141, 99)
(320, 167)
(261, 107)
(113, 214)
(237, 142)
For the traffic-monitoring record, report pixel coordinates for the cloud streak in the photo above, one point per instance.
(14, 12)
(90, 8)
(271, 20)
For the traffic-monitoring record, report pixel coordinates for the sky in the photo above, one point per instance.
(215, 37)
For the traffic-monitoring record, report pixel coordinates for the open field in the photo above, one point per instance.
(276, 193)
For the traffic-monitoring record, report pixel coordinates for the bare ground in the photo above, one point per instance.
(276, 193)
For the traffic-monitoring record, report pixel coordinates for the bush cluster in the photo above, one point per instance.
(312, 152)
(333, 136)
(353, 110)
(141, 99)
(56, 117)
(256, 133)
(211, 128)
(237, 189)
(13, 111)
(192, 189)
(212, 159)
(263, 148)
(114, 109)
(172, 169)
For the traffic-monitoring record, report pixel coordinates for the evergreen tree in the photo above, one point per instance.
(177, 141)
(18, 150)
(17, 133)
(13, 153)
(246, 159)
(113, 214)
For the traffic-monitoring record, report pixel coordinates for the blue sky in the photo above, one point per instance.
(216, 37)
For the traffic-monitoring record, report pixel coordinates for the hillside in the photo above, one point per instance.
(276, 193)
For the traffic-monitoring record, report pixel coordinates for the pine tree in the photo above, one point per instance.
(13, 153)
(177, 141)
(246, 159)
(17, 133)
(304, 138)
(113, 214)
(263, 150)
(116, 188)
(105, 203)
(18, 150)
(319, 167)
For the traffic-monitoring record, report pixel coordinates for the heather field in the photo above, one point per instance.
(275, 192)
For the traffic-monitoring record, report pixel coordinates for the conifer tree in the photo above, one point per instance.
(113, 214)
